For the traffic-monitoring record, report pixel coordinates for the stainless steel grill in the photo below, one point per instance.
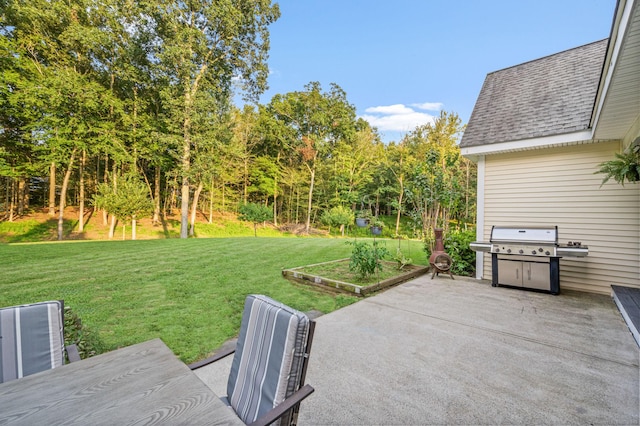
(528, 257)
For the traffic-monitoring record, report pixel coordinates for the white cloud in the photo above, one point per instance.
(399, 117)
(429, 106)
(389, 109)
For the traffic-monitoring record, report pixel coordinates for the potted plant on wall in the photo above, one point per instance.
(626, 166)
(376, 227)
(363, 218)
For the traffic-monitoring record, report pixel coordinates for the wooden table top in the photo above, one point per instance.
(139, 384)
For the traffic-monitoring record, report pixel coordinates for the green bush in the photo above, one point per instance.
(365, 258)
(456, 244)
(88, 343)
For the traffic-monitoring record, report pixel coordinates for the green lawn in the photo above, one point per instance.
(190, 293)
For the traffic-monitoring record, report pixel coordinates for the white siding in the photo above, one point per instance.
(557, 186)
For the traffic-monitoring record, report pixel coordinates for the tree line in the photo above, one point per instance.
(128, 107)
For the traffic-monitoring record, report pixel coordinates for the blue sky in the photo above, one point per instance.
(402, 61)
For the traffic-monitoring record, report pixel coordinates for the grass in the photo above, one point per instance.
(190, 293)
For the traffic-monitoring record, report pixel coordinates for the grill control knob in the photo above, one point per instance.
(497, 250)
(520, 251)
(547, 253)
(508, 250)
(533, 252)
(540, 249)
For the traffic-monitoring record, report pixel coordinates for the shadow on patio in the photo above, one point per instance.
(459, 351)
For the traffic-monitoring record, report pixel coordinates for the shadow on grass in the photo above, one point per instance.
(169, 226)
(46, 231)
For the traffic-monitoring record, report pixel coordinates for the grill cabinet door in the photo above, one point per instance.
(510, 272)
(536, 275)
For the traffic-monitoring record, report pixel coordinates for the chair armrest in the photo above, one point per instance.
(72, 353)
(216, 357)
(279, 410)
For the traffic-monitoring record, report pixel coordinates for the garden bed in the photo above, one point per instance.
(335, 276)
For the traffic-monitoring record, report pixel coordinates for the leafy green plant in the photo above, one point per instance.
(87, 342)
(401, 259)
(626, 166)
(377, 224)
(363, 214)
(457, 245)
(256, 213)
(365, 258)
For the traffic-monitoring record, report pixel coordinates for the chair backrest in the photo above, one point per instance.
(268, 365)
(31, 339)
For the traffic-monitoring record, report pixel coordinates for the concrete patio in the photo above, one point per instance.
(459, 351)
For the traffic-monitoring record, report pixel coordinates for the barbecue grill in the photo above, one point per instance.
(528, 257)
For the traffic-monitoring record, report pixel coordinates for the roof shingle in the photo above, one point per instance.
(548, 96)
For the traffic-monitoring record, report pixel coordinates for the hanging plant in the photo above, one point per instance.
(626, 166)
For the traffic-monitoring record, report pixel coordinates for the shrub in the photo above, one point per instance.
(365, 258)
(401, 259)
(456, 244)
(87, 342)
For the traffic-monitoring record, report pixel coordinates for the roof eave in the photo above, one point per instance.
(567, 139)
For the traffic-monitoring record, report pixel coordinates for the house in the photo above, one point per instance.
(539, 131)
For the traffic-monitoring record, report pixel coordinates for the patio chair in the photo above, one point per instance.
(266, 382)
(32, 339)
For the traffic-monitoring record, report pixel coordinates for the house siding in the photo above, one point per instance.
(557, 186)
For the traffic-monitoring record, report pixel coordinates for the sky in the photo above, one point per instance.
(401, 62)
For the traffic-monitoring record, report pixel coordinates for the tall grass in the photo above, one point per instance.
(190, 293)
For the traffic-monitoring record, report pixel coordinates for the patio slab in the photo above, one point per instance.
(462, 352)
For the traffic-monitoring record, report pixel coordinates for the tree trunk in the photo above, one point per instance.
(194, 209)
(245, 182)
(52, 189)
(7, 192)
(312, 173)
(400, 198)
(83, 162)
(156, 197)
(63, 195)
(211, 202)
(105, 179)
(112, 226)
(12, 203)
(133, 228)
(20, 195)
(186, 165)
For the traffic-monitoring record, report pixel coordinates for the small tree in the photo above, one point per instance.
(130, 200)
(337, 216)
(256, 213)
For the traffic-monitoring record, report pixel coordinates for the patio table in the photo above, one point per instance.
(139, 384)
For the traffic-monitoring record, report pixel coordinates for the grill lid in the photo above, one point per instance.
(535, 235)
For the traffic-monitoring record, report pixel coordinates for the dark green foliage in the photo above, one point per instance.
(365, 258)
(456, 244)
(75, 332)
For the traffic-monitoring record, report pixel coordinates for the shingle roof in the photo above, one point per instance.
(548, 96)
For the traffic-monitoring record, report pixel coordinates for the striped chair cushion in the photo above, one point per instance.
(31, 339)
(267, 364)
